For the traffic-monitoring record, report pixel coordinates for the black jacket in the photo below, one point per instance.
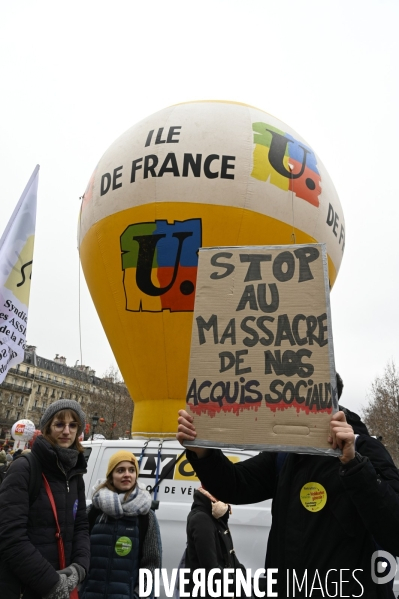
(362, 509)
(209, 542)
(3, 470)
(28, 548)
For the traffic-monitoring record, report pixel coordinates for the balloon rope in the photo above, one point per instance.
(293, 237)
(79, 291)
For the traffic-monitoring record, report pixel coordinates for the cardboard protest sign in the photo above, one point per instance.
(262, 372)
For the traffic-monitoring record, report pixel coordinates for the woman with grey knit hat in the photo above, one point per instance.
(31, 562)
(125, 534)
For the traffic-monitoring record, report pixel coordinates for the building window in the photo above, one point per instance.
(38, 388)
(18, 415)
(27, 370)
(10, 399)
(7, 414)
(21, 401)
(36, 402)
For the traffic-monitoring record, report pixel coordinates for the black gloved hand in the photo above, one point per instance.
(60, 590)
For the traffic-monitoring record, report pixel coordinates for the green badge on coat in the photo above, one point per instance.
(123, 546)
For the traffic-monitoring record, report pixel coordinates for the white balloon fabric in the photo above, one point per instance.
(23, 430)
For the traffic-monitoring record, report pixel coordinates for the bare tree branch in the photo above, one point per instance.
(382, 413)
(111, 401)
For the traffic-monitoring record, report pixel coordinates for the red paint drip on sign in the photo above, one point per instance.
(211, 409)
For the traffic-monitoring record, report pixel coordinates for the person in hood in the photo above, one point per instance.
(328, 540)
(16, 454)
(29, 557)
(209, 541)
(125, 533)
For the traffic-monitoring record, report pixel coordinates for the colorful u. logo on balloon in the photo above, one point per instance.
(159, 262)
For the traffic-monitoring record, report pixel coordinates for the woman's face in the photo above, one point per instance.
(63, 432)
(124, 476)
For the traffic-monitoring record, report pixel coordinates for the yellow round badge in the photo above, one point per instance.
(313, 497)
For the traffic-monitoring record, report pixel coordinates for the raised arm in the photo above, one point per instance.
(248, 481)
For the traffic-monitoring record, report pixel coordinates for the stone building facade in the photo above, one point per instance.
(30, 387)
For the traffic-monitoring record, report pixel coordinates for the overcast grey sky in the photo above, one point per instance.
(76, 75)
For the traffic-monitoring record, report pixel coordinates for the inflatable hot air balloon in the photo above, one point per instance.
(22, 431)
(195, 174)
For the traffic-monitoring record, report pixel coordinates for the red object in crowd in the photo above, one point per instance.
(87, 428)
(35, 435)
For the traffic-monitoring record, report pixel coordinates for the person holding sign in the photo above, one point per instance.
(330, 515)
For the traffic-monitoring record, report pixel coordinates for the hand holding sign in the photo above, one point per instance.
(342, 436)
(186, 432)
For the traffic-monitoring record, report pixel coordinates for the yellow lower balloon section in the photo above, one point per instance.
(152, 348)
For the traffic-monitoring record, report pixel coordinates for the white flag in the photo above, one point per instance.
(16, 258)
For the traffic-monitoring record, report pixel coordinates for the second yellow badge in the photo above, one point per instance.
(313, 497)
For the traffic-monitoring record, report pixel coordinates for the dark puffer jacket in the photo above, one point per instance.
(120, 547)
(114, 566)
(28, 547)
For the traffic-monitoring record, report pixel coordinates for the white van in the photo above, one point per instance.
(249, 524)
